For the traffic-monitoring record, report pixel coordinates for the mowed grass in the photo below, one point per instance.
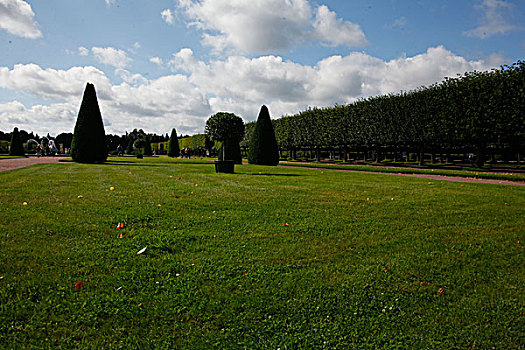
(269, 257)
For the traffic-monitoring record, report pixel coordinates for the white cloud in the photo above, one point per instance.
(167, 16)
(399, 22)
(109, 2)
(494, 20)
(137, 45)
(16, 16)
(157, 60)
(82, 51)
(111, 56)
(238, 84)
(334, 31)
(257, 27)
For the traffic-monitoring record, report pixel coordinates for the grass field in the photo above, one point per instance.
(265, 258)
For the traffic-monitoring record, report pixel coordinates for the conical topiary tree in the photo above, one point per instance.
(89, 138)
(173, 144)
(263, 145)
(16, 147)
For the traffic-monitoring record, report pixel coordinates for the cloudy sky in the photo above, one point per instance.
(159, 64)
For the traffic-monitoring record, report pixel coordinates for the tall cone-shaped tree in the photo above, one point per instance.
(263, 145)
(89, 138)
(16, 148)
(173, 144)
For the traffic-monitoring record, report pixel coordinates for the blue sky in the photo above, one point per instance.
(160, 64)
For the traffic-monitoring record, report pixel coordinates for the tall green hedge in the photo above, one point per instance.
(480, 112)
(263, 145)
(16, 147)
(89, 138)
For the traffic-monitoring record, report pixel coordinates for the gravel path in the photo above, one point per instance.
(15, 163)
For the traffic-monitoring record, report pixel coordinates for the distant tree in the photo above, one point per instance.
(147, 147)
(173, 144)
(89, 138)
(263, 145)
(227, 128)
(64, 139)
(16, 148)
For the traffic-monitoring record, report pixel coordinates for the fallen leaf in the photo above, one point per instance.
(285, 225)
(80, 196)
(507, 204)
(79, 285)
(112, 188)
(440, 290)
(142, 250)
(159, 205)
(422, 283)
(25, 203)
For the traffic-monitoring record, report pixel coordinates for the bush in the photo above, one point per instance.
(17, 148)
(89, 138)
(226, 127)
(173, 144)
(233, 151)
(263, 145)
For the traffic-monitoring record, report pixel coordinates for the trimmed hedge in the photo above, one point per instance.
(89, 138)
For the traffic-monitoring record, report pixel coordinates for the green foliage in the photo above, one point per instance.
(263, 145)
(89, 138)
(16, 147)
(226, 127)
(232, 151)
(173, 144)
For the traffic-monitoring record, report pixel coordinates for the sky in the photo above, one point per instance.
(163, 64)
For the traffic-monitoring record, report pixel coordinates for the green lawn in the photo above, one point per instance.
(265, 258)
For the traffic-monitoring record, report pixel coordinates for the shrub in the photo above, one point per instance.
(263, 145)
(89, 138)
(173, 144)
(16, 149)
(226, 127)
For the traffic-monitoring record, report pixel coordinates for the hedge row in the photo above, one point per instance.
(479, 112)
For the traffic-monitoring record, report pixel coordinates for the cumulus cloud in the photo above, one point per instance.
(109, 2)
(256, 26)
(111, 56)
(16, 16)
(167, 16)
(334, 31)
(196, 89)
(494, 20)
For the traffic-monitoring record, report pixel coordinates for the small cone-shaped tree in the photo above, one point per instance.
(16, 148)
(89, 138)
(173, 144)
(263, 145)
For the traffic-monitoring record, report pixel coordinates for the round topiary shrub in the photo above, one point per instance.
(89, 138)
(263, 145)
(227, 128)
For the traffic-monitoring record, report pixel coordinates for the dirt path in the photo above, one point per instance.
(15, 163)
